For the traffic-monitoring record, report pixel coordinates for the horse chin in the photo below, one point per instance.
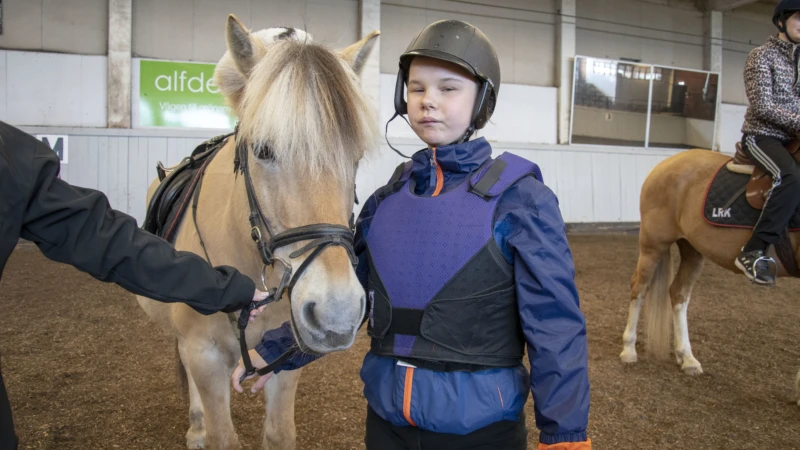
(332, 342)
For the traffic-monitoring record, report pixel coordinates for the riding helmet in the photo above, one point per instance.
(783, 11)
(464, 45)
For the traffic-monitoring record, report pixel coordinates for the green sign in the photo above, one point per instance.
(181, 95)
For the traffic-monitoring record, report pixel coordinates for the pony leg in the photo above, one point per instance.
(649, 260)
(210, 368)
(628, 354)
(680, 292)
(196, 435)
(279, 395)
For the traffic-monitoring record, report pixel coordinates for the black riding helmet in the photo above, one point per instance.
(464, 45)
(783, 11)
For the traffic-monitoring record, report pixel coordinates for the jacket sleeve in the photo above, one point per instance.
(275, 343)
(552, 322)
(758, 83)
(77, 226)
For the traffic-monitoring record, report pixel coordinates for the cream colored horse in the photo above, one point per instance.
(303, 103)
(671, 207)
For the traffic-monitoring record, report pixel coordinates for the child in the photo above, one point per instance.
(772, 120)
(464, 260)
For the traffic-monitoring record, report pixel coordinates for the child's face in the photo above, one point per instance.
(441, 96)
(793, 26)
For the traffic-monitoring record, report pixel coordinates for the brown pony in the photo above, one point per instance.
(302, 102)
(671, 207)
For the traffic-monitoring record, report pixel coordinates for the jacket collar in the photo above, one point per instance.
(458, 159)
(785, 47)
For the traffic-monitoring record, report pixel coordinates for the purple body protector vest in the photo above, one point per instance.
(440, 291)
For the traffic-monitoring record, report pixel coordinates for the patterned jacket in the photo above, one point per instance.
(771, 82)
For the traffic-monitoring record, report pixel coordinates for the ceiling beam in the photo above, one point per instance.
(726, 5)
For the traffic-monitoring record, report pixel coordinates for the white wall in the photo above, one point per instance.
(522, 31)
(742, 30)
(73, 26)
(194, 30)
(732, 77)
(681, 45)
(732, 118)
(52, 89)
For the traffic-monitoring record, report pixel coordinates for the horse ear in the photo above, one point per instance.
(239, 44)
(356, 55)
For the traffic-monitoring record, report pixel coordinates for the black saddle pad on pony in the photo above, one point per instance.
(725, 204)
(174, 196)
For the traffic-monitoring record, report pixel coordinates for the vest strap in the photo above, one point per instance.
(501, 174)
(490, 178)
(406, 321)
(446, 366)
(398, 179)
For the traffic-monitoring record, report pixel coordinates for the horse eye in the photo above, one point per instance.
(265, 153)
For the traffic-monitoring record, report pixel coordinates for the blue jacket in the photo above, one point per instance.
(530, 231)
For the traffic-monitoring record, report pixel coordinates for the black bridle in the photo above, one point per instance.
(321, 235)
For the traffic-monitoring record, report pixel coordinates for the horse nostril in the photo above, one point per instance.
(309, 316)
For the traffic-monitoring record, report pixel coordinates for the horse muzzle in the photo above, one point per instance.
(329, 325)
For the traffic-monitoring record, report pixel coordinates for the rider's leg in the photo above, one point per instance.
(771, 155)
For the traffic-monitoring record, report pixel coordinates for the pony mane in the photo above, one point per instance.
(303, 103)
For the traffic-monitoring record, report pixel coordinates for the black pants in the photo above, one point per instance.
(8, 440)
(771, 156)
(382, 435)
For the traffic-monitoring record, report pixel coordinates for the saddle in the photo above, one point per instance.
(760, 182)
(176, 185)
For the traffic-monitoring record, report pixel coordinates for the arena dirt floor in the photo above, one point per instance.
(87, 370)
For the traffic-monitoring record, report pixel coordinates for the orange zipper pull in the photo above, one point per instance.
(439, 175)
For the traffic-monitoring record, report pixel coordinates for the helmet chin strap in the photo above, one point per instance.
(785, 31)
(468, 134)
(478, 107)
(788, 37)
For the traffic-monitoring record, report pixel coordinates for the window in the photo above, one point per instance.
(630, 104)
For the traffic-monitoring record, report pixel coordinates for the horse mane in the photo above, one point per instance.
(303, 103)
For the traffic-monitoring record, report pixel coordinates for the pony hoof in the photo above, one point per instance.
(197, 445)
(692, 370)
(195, 441)
(628, 357)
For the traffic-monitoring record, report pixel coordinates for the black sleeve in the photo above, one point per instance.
(77, 226)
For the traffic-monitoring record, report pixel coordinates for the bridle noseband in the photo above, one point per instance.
(322, 236)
